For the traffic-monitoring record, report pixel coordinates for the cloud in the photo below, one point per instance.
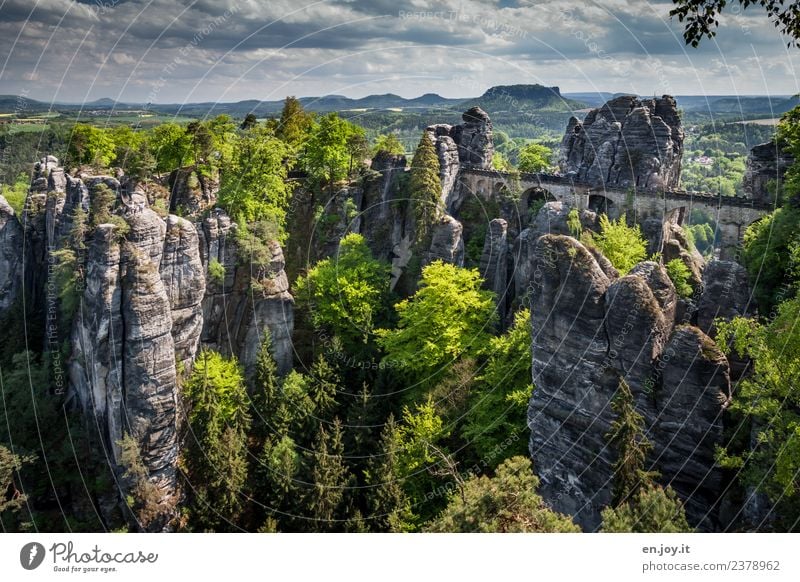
(238, 49)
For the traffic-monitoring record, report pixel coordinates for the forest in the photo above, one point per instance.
(406, 407)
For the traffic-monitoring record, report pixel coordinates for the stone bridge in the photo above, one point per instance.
(732, 214)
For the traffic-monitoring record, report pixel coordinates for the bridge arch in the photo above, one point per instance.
(603, 205)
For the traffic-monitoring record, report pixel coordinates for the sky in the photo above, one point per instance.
(178, 51)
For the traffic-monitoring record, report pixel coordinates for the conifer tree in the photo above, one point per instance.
(329, 477)
(389, 507)
(426, 188)
(627, 436)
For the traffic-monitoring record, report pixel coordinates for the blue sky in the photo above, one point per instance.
(227, 50)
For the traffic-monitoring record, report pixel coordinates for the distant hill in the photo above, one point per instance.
(507, 98)
(746, 104)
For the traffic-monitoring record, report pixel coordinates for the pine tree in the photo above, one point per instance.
(295, 123)
(266, 389)
(426, 188)
(329, 477)
(627, 436)
(652, 510)
(324, 387)
(389, 507)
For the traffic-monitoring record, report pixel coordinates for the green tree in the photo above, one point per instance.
(90, 145)
(426, 188)
(16, 193)
(346, 293)
(388, 505)
(144, 499)
(623, 245)
(249, 122)
(14, 511)
(768, 398)
(295, 123)
(501, 163)
(388, 143)
(507, 502)
(171, 146)
(770, 255)
(277, 473)
(497, 411)
(534, 158)
(329, 151)
(679, 274)
(329, 478)
(702, 17)
(216, 458)
(447, 318)
(254, 187)
(652, 510)
(627, 438)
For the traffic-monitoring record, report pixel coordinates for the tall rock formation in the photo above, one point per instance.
(11, 246)
(590, 330)
(626, 143)
(763, 178)
(469, 143)
(251, 298)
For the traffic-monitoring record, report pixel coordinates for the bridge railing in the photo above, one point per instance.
(544, 178)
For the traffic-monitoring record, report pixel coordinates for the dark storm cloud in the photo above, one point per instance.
(237, 49)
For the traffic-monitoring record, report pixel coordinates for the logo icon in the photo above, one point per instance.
(31, 555)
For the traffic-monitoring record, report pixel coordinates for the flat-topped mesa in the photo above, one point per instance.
(626, 143)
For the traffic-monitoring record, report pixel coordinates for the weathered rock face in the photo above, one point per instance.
(446, 242)
(626, 143)
(469, 143)
(675, 245)
(726, 294)
(494, 263)
(239, 309)
(191, 192)
(569, 413)
(766, 166)
(184, 281)
(591, 329)
(693, 395)
(11, 237)
(139, 294)
(474, 138)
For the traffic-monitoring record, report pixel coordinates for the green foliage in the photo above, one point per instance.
(101, 202)
(652, 510)
(623, 245)
(501, 163)
(574, 223)
(67, 278)
(627, 438)
(535, 158)
(505, 503)
(331, 149)
(294, 125)
(388, 143)
(388, 505)
(497, 411)
(329, 478)
(346, 293)
(770, 399)
(90, 145)
(253, 186)
(679, 274)
(171, 146)
(13, 502)
(770, 257)
(702, 237)
(426, 188)
(216, 457)
(448, 317)
(146, 506)
(16, 193)
(216, 271)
